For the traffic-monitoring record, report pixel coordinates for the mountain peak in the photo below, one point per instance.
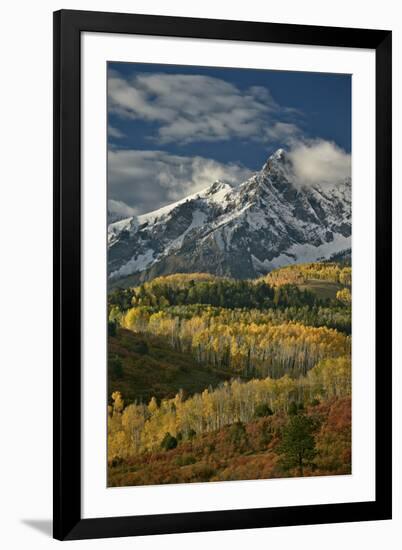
(241, 231)
(217, 192)
(218, 185)
(279, 154)
(278, 157)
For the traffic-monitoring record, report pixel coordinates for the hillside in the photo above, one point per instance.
(322, 289)
(239, 452)
(324, 279)
(213, 378)
(149, 367)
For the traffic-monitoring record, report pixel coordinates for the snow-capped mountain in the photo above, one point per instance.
(117, 210)
(246, 231)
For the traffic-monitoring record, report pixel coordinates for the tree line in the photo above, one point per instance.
(142, 428)
(225, 293)
(338, 318)
(239, 344)
(301, 273)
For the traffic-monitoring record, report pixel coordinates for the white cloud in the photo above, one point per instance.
(119, 210)
(189, 108)
(146, 180)
(319, 161)
(283, 131)
(114, 132)
(142, 181)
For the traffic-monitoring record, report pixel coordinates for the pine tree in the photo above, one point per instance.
(298, 446)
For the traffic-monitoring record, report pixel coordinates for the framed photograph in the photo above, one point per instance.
(216, 364)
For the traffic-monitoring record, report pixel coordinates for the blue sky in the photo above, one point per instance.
(174, 128)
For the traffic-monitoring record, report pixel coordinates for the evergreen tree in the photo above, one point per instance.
(262, 410)
(168, 442)
(292, 411)
(116, 367)
(298, 446)
(111, 328)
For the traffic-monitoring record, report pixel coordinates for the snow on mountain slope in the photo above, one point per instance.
(266, 222)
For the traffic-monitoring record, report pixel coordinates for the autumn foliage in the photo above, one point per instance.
(214, 379)
(255, 453)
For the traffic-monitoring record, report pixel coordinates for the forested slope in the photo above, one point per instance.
(197, 361)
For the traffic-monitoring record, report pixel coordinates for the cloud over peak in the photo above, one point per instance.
(319, 161)
(141, 181)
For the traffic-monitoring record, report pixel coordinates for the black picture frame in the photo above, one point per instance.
(68, 27)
